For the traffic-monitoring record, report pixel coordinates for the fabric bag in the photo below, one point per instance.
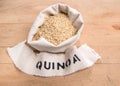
(42, 44)
(42, 58)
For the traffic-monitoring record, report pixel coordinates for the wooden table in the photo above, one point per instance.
(101, 32)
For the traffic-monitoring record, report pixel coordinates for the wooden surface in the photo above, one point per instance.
(101, 32)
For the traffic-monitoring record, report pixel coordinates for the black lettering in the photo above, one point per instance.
(53, 65)
(39, 65)
(77, 57)
(74, 60)
(47, 66)
(68, 62)
(60, 65)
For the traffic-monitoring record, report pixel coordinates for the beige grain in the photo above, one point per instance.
(56, 29)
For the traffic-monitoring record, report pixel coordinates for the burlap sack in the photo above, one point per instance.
(50, 60)
(42, 44)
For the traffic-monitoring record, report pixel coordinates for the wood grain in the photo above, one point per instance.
(101, 32)
(98, 75)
